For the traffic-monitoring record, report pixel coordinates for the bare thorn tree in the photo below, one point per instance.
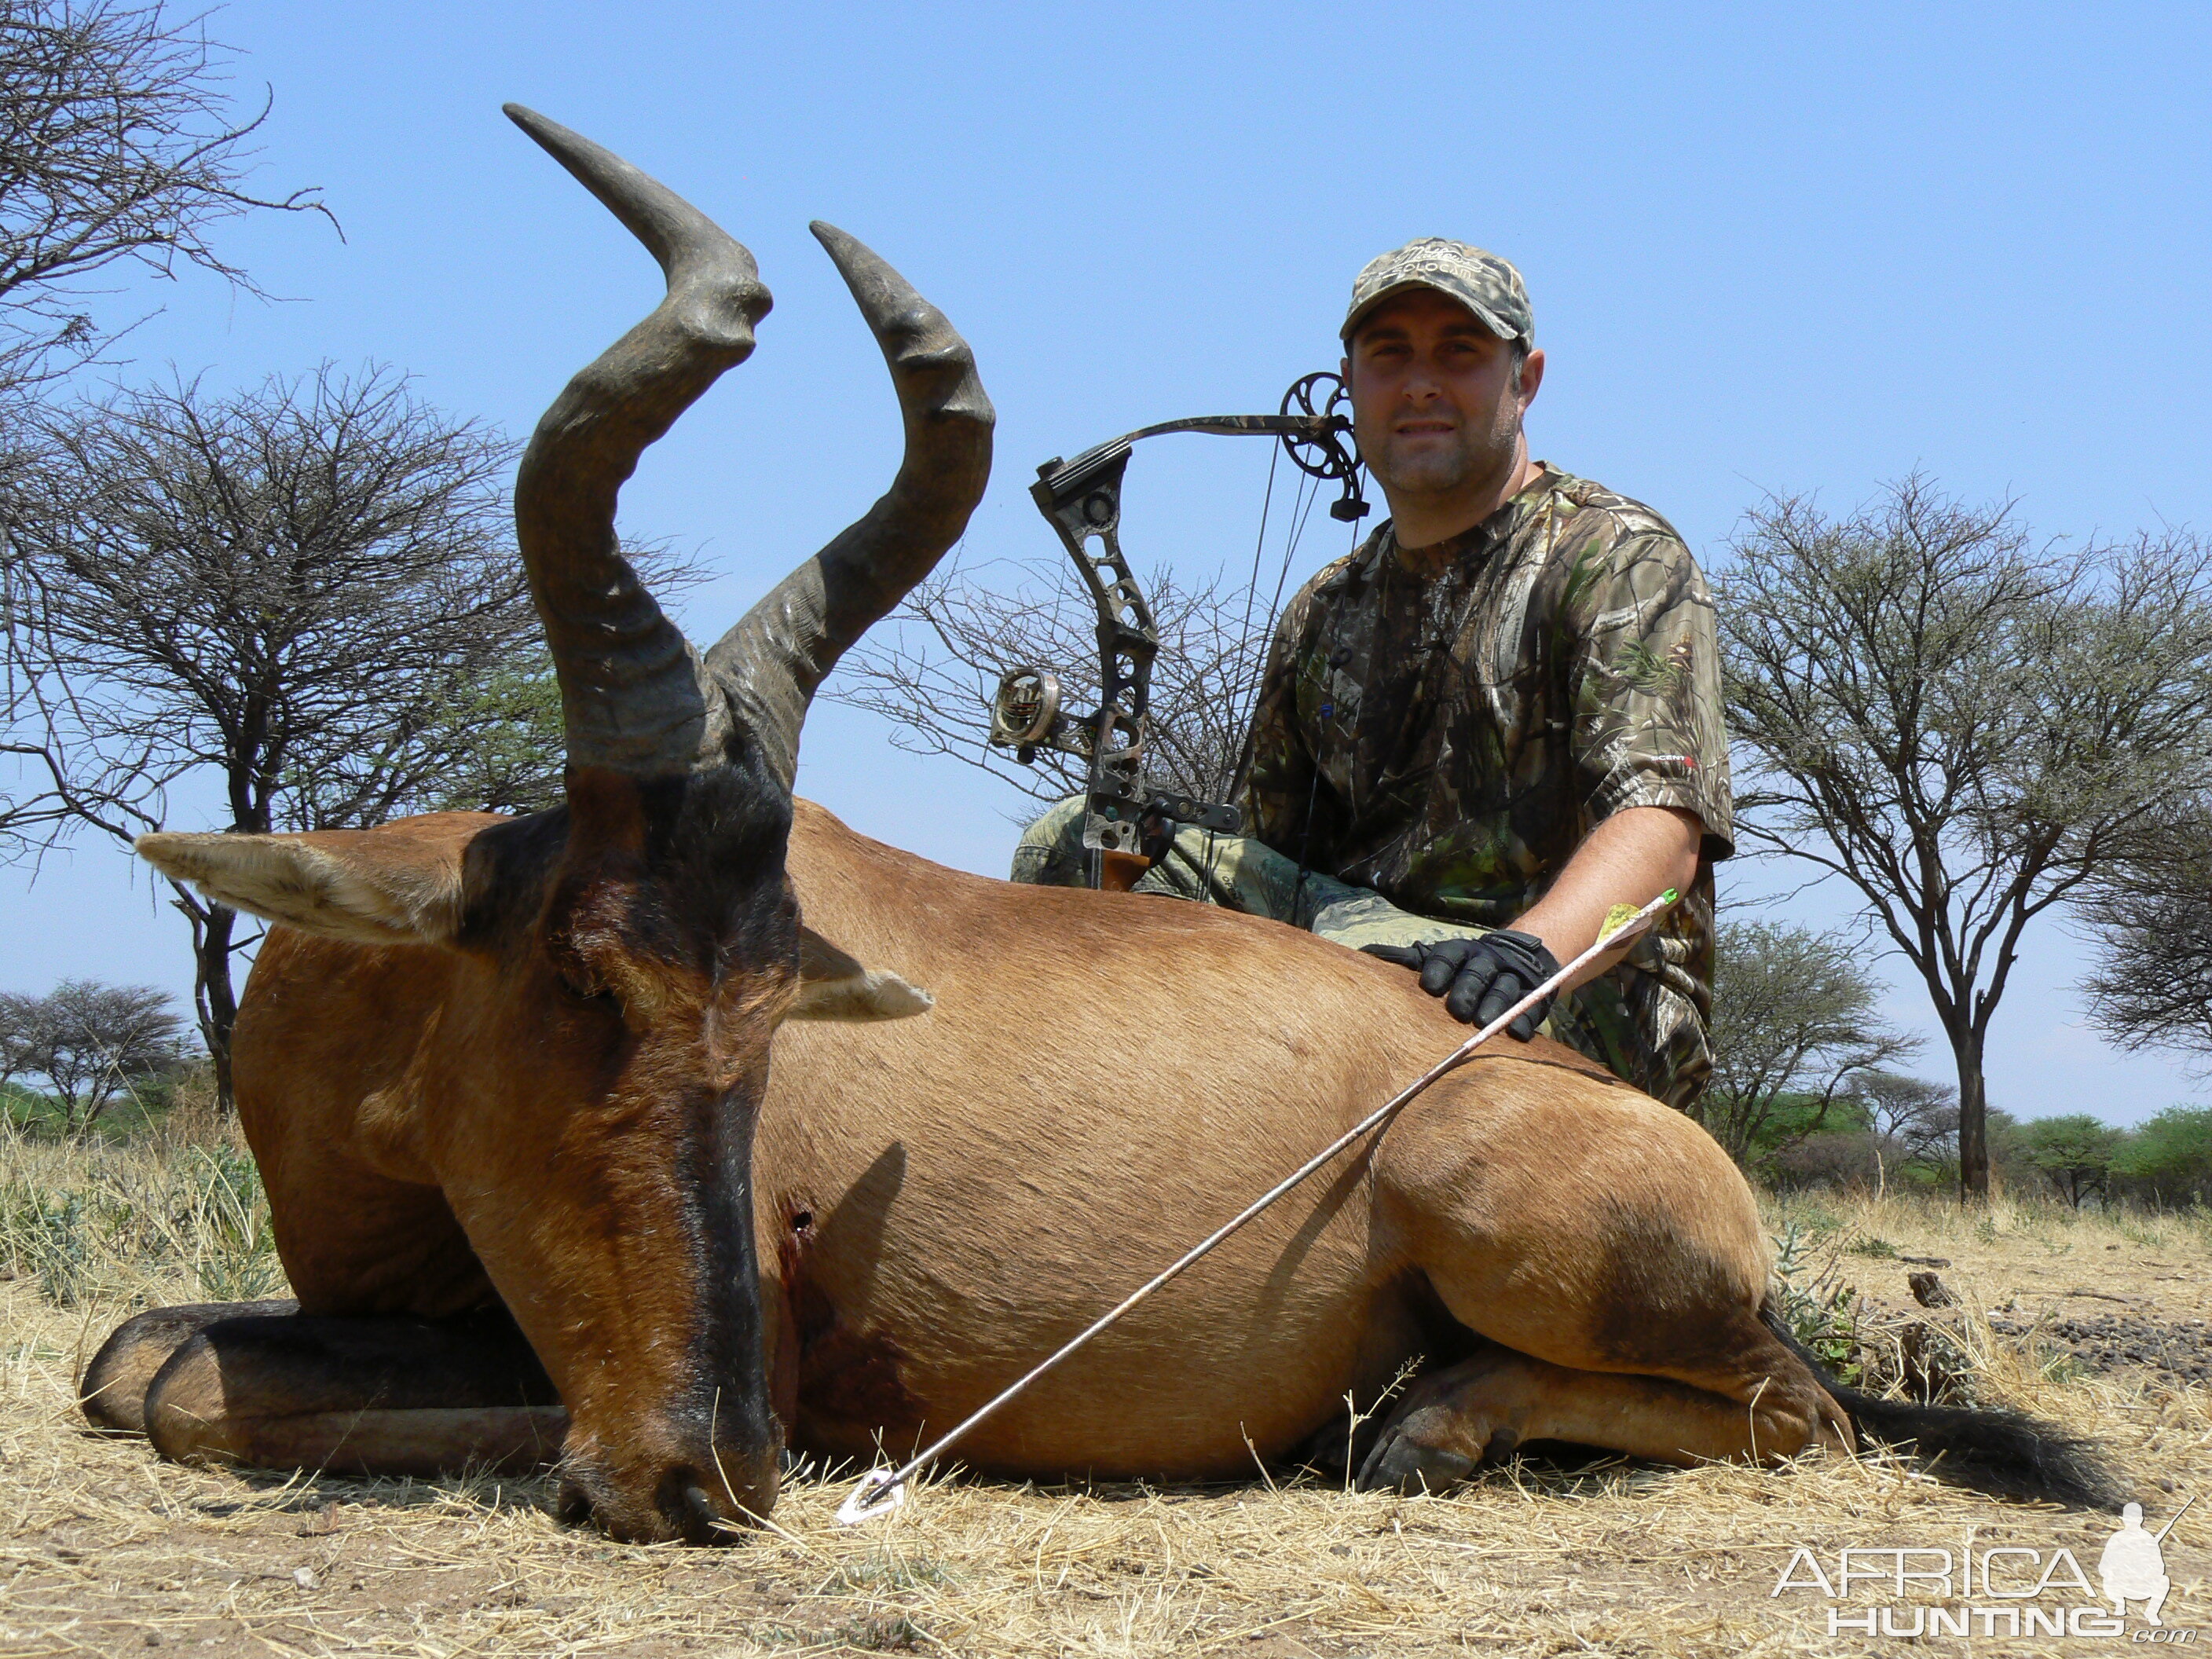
(1917, 1118)
(117, 147)
(2148, 921)
(297, 601)
(1963, 727)
(120, 156)
(19, 1037)
(932, 666)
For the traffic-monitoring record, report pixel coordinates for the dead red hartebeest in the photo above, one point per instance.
(578, 1142)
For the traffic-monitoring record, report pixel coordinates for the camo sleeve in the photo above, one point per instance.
(1644, 675)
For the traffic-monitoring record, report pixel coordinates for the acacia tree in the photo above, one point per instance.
(299, 599)
(2148, 918)
(2170, 1155)
(119, 156)
(1794, 1019)
(1961, 725)
(92, 1043)
(118, 147)
(2075, 1151)
(19, 1028)
(1918, 1118)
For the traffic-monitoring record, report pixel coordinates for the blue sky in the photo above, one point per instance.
(1770, 249)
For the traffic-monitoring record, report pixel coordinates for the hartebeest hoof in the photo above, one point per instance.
(113, 1394)
(1402, 1464)
(1481, 1409)
(1449, 1423)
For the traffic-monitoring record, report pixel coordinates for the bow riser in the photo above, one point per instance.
(1082, 501)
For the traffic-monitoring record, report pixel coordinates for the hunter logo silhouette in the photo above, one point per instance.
(2133, 1566)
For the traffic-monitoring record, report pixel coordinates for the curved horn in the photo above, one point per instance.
(767, 666)
(630, 694)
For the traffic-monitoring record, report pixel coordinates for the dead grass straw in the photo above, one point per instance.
(108, 1551)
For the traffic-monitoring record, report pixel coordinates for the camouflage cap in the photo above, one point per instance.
(1485, 284)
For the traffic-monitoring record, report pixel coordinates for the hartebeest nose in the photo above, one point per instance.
(688, 1500)
(646, 1503)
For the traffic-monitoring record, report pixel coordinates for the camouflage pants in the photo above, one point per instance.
(1240, 874)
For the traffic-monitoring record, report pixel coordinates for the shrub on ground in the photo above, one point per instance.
(106, 1222)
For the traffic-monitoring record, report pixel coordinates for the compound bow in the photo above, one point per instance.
(1081, 499)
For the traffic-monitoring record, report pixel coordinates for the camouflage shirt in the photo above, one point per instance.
(1446, 728)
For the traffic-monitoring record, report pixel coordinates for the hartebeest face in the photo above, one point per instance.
(639, 969)
(585, 1093)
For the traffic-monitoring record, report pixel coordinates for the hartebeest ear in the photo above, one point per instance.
(373, 887)
(832, 986)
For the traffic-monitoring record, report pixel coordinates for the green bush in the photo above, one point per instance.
(1822, 1313)
(2168, 1159)
(92, 1221)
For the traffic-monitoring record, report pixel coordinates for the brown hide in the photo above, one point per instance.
(940, 1200)
(1104, 1079)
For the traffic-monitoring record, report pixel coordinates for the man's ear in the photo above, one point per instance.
(396, 886)
(832, 986)
(1532, 376)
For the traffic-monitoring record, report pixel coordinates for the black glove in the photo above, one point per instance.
(1480, 978)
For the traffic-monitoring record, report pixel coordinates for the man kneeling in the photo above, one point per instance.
(1495, 721)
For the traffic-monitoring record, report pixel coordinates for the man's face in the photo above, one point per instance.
(1435, 403)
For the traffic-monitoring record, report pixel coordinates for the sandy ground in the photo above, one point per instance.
(107, 1551)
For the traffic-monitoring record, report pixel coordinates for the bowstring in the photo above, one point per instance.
(1248, 689)
(1244, 636)
(1249, 673)
(1312, 494)
(1259, 543)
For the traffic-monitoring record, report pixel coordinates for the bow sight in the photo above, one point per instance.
(1082, 501)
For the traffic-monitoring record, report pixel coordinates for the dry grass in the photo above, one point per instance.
(107, 1551)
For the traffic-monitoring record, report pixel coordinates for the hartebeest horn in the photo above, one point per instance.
(631, 698)
(767, 666)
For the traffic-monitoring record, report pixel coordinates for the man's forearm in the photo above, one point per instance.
(1630, 858)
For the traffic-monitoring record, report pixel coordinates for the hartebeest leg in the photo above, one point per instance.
(1614, 1257)
(357, 1396)
(113, 1394)
(1485, 1407)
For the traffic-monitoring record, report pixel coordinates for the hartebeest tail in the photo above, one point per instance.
(1990, 1446)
